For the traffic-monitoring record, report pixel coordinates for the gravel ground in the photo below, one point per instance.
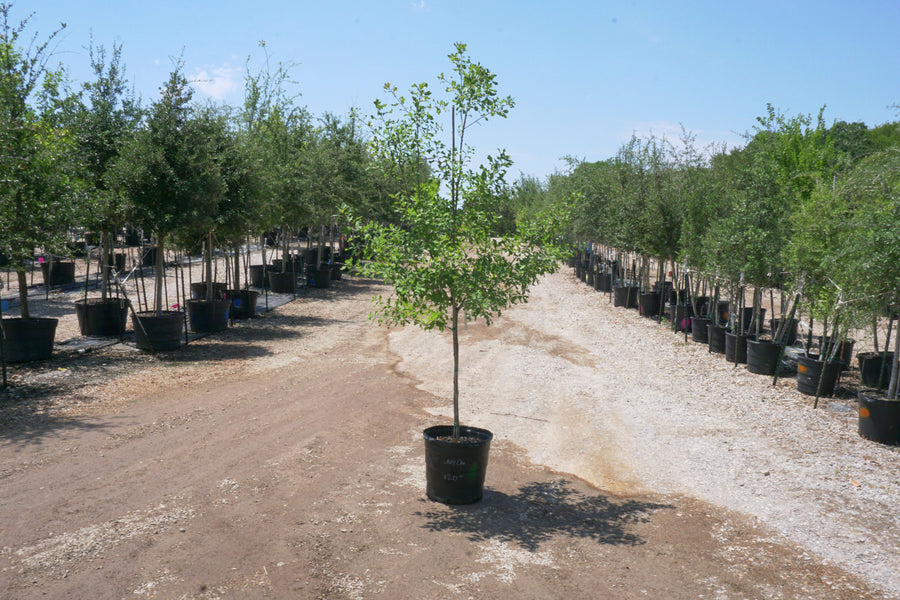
(767, 488)
(629, 406)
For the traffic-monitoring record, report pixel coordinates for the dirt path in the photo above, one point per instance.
(292, 467)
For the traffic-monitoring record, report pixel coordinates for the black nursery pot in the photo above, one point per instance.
(158, 332)
(869, 365)
(98, 317)
(198, 290)
(205, 316)
(749, 326)
(700, 329)
(258, 275)
(844, 352)
(295, 264)
(319, 278)
(649, 305)
(337, 271)
(148, 257)
(790, 333)
(762, 356)
(735, 347)
(243, 303)
(282, 283)
(603, 282)
(625, 295)
(25, 340)
(455, 471)
(716, 337)
(810, 371)
(680, 314)
(63, 272)
(879, 418)
(676, 295)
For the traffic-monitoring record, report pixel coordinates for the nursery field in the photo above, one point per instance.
(283, 458)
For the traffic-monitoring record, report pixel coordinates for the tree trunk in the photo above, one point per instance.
(159, 278)
(105, 263)
(237, 266)
(455, 330)
(23, 292)
(207, 264)
(895, 372)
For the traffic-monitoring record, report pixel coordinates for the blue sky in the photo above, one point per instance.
(585, 75)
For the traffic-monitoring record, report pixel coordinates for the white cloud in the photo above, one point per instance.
(217, 82)
(419, 4)
(659, 129)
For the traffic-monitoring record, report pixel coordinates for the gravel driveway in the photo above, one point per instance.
(283, 459)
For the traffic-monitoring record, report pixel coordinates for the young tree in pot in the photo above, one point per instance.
(779, 166)
(440, 255)
(870, 271)
(814, 255)
(101, 127)
(700, 191)
(209, 310)
(263, 145)
(286, 135)
(169, 178)
(658, 214)
(38, 198)
(240, 210)
(740, 245)
(337, 175)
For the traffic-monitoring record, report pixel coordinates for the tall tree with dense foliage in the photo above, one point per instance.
(442, 261)
(868, 266)
(102, 122)
(168, 170)
(37, 178)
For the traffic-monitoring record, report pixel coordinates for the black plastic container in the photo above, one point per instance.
(869, 365)
(700, 329)
(282, 283)
(258, 276)
(62, 273)
(626, 296)
(762, 356)
(879, 418)
(98, 317)
(680, 314)
(735, 348)
(716, 337)
(158, 332)
(603, 282)
(243, 303)
(455, 471)
(810, 371)
(791, 335)
(198, 290)
(649, 304)
(749, 327)
(205, 316)
(319, 278)
(25, 340)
